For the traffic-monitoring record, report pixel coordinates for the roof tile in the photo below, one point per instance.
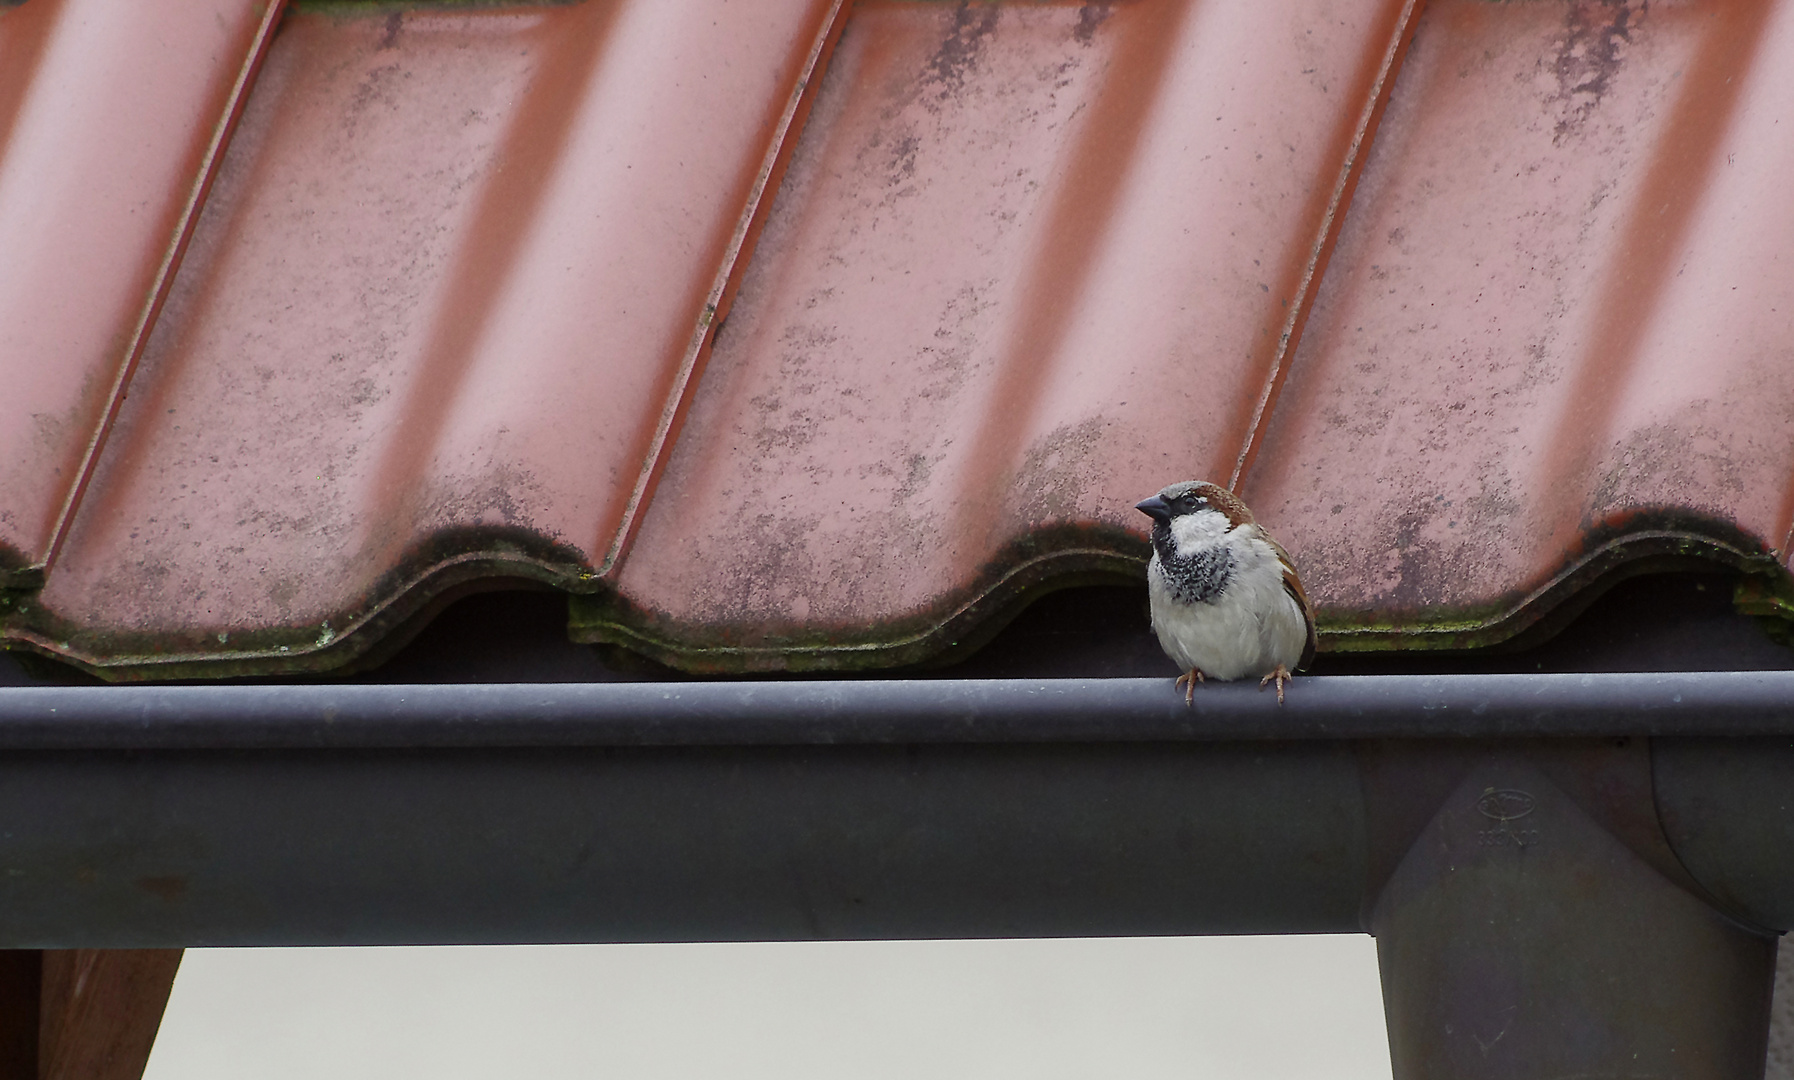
(112, 118)
(1558, 331)
(451, 278)
(1030, 263)
(506, 292)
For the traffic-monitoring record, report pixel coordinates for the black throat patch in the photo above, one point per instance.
(1196, 577)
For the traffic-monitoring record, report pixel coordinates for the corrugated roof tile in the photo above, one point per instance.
(1558, 332)
(1031, 262)
(464, 271)
(453, 275)
(112, 118)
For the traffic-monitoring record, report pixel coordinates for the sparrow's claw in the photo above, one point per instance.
(1188, 681)
(1281, 675)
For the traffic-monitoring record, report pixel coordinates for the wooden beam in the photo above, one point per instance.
(21, 982)
(81, 1014)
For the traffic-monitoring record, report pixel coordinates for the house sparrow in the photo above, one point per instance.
(1226, 602)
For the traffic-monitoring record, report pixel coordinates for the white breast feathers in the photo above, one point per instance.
(1221, 607)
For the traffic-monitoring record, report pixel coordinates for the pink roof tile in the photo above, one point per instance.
(449, 284)
(530, 292)
(1030, 264)
(1558, 332)
(112, 120)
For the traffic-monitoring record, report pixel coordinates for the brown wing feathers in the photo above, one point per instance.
(1293, 586)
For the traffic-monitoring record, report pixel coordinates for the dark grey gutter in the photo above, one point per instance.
(884, 712)
(1608, 852)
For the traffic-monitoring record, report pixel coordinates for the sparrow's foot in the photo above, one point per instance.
(1187, 682)
(1281, 675)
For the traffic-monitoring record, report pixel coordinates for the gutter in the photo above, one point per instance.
(883, 712)
(1606, 855)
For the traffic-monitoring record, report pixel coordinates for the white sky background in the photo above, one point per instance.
(1264, 1008)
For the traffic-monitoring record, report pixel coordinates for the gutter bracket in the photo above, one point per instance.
(1532, 920)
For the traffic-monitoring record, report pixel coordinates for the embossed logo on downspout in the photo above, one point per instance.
(1504, 806)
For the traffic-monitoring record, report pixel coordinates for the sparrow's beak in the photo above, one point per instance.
(1154, 508)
